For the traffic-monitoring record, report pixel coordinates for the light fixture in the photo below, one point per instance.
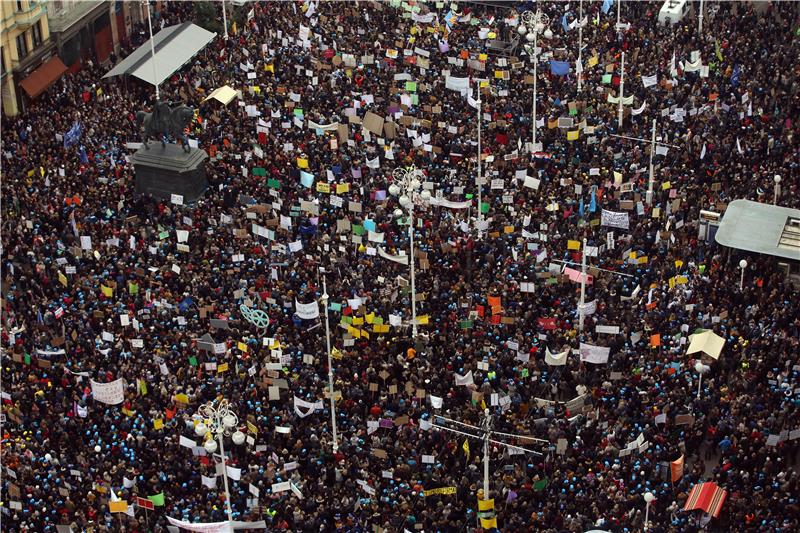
(238, 437)
(200, 429)
(210, 446)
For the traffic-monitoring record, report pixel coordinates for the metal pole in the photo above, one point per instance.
(480, 163)
(741, 281)
(583, 286)
(580, 42)
(652, 153)
(152, 51)
(225, 473)
(619, 5)
(413, 283)
(621, 89)
(535, 75)
(486, 436)
(646, 515)
(699, 384)
(700, 20)
(225, 19)
(330, 364)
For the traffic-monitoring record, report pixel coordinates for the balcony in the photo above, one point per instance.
(62, 18)
(25, 19)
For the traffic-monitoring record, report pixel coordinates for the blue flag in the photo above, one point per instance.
(580, 208)
(83, 156)
(737, 71)
(593, 201)
(607, 5)
(73, 135)
(564, 23)
(559, 68)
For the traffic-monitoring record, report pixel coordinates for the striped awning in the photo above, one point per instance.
(707, 497)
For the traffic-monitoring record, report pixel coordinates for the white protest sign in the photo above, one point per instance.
(111, 393)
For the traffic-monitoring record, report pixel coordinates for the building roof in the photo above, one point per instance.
(174, 46)
(43, 77)
(760, 228)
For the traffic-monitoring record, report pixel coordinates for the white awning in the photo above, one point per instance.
(174, 46)
(224, 94)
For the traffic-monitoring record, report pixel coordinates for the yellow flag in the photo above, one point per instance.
(573, 245)
(302, 163)
(158, 423)
(573, 135)
(465, 447)
(489, 523)
(62, 278)
(486, 505)
(336, 353)
(665, 186)
(593, 61)
(423, 320)
(269, 68)
(108, 291)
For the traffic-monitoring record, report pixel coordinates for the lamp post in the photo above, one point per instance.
(532, 24)
(701, 369)
(742, 266)
(225, 20)
(580, 45)
(406, 187)
(219, 420)
(777, 191)
(648, 499)
(330, 364)
(152, 47)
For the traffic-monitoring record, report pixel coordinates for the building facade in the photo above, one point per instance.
(26, 48)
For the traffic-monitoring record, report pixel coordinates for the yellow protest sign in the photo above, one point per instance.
(592, 61)
(251, 428)
(222, 368)
(358, 320)
(573, 245)
(158, 423)
(380, 328)
(323, 187)
(242, 347)
(118, 507)
(573, 135)
(107, 291)
(62, 278)
(486, 505)
(302, 163)
(423, 320)
(342, 187)
(483, 57)
(665, 186)
(641, 260)
(182, 398)
(441, 490)
(370, 318)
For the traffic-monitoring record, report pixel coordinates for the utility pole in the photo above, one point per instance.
(581, 312)
(580, 44)
(621, 85)
(480, 164)
(330, 364)
(152, 50)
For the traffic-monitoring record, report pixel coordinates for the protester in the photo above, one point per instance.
(133, 301)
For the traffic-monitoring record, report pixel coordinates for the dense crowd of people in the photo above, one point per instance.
(291, 205)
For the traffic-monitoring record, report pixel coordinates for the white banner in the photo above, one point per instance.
(465, 380)
(328, 127)
(457, 84)
(649, 81)
(589, 308)
(614, 219)
(111, 393)
(441, 202)
(425, 19)
(309, 406)
(402, 259)
(558, 359)
(307, 311)
(216, 527)
(594, 354)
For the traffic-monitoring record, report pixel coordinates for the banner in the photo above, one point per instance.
(216, 527)
(328, 127)
(424, 19)
(111, 393)
(559, 68)
(594, 354)
(441, 202)
(309, 406)
(649, 81)
(307, 311)
(441, 490)
(465, 380)
(589, 308)
(676, 469)
(614, 219)
(558, 359)
(402, 259)
(457, 84)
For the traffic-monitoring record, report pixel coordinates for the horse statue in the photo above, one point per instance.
(166, 120)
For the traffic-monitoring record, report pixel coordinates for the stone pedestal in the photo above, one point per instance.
(164, 171)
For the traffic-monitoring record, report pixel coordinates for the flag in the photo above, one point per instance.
(83, 156)
(489, 523)
(673, 69)
(233, 27)
(73, 135)
(707, 497)
(607, 5)
(717, 50)
(486, 505)
(703, 151)
(739, 146)
(593, 200)
(564, 23)
(737, 72)
(465, 447)
(157, 499)
(559, 68)
(540, 485)
(60, 311)
(579, 66)
(676, 469)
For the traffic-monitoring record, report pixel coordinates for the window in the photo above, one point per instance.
(37, 33)
(19, 5)
(3, 56)
(22, 46)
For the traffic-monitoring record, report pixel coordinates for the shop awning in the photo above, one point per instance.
(43, 77)
(174, 46)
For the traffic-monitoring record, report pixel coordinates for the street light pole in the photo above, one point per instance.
(777, 190)
(649, 197)
(700, 21)
(225, 20)
(152, 49)
(583, 287)
(219, 420)
(580, 44)
(330, 364)
(480, 164)
(487, 433)
(532, 23)
(742, 265)
(621, 87)
(406, 185)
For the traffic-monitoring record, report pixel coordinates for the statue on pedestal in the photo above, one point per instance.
(166, 120)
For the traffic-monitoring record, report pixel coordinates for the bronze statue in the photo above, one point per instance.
(166, 120)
